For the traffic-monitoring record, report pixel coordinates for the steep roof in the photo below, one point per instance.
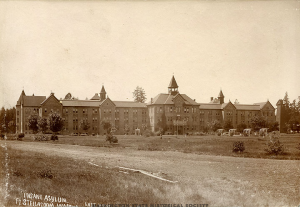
(129, 104)
(32, 100)
(95, 97)
(88, 103)
(102, 90)
(164, 98)
(261, 104)
(173, 83)
(221, 95)
(51, 95)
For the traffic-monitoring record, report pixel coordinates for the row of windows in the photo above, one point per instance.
(51, 110)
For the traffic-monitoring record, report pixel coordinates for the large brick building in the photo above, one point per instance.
(177, 112)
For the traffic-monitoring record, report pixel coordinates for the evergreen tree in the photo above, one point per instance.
(139, 95)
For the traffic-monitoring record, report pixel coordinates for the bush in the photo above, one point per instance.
(274, 146)
(54, 137)
(2, 136)
(238, 146)
(158, 133)
(111, 138)
(41, 137)
(21, 135)
(148, 133)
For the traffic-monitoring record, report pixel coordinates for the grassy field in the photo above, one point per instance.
(64, 170)
(79, 182)
(209, 145)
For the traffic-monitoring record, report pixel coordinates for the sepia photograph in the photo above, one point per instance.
(148, 103)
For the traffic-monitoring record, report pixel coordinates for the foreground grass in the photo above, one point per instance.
(80, 183)
(209, 145)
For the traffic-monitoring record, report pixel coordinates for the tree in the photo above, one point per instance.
(228, 125)
(55, 122)
(84, 124)
(162, 123)
(106, 126)
(214, 125)
(241, 127)
(42, 124)
(126, 128)
(8, 120)
(257, 122)
(70, 97)
(33, 123)
(273, 126)
(139, 95)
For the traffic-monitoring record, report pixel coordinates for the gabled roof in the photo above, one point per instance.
(51, 95)
(247, 107)
(261, 104)
(173, 83)
(178, 96)
(130, 104)
(88, 103)
(95, 97)
(107, 100)
(164, 98)
(32, 100)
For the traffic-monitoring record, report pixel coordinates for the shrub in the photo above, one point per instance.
(2, 136)
(21, 135)
(111, 138)
(238, 146)
(274, 146)
(41, 137)
(54, 137)
(148, 133)
(219, 133)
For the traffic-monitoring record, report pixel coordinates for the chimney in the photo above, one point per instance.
(211, 98)
(151, 100)
(195, 100)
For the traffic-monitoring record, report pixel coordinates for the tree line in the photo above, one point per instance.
(291, 114)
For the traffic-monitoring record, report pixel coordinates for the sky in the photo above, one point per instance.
(249, 49)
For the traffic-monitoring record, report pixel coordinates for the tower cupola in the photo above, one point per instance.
(221, 97)
(102, 94)
(173, 87)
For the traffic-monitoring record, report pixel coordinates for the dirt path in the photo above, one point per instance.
(264, 180)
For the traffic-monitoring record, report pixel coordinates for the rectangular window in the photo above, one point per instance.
(45, 110)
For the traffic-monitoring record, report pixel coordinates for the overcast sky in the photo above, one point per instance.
(250, 49)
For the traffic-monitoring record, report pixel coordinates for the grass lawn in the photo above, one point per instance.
(209, 145)
(79, 183)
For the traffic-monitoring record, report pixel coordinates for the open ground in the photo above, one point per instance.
(205, 168)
